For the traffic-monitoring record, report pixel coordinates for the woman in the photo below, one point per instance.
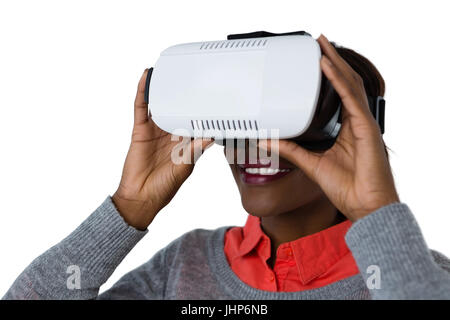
(325, 226)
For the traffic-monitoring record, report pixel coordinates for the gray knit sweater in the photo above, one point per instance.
(393, 259)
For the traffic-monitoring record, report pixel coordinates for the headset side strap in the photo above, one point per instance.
(147, 85)
(377, 108)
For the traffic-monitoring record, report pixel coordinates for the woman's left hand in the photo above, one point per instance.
(355, 173)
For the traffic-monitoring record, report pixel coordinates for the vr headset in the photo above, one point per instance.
(244, 86)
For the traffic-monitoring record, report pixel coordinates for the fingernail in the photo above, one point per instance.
(143, 74)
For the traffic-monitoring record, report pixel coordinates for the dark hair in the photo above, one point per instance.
(373, 81)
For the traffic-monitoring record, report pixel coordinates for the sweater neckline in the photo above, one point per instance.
(239, 290)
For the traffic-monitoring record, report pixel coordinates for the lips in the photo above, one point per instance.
(262, 173)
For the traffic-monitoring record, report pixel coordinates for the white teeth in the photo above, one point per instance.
(265, 171)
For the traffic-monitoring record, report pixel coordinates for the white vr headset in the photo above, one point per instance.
(247, 85)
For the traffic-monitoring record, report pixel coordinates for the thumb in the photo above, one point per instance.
(191, 151)
(306, 160)
(198, 147)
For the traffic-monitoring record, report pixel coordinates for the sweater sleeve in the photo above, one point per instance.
(147, 282)
(76, 267)
(393, 257)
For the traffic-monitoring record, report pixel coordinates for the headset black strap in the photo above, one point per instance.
(377, 107)
(263, 34)
(147, 84)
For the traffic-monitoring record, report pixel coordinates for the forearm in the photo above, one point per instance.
(388, 244)
(76, 267)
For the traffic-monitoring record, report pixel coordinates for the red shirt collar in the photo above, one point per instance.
(314, 254)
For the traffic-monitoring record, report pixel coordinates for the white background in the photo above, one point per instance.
(68, 76)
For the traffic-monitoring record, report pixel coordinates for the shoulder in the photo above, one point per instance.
(198, 236)
(441, 260)
(194, 243)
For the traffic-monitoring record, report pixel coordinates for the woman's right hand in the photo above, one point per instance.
(150, 178)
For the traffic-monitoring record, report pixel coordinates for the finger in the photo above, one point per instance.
(331, 53)
(140, 106)
(352, 96)
(198, 147)
(346, 72)
(305, 160)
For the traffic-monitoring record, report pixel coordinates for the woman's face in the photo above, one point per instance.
(267, 190)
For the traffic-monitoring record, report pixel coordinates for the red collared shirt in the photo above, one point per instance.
(306, 263)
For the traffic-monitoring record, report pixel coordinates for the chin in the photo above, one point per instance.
(275, 197)
(262, 206)
(259, 211)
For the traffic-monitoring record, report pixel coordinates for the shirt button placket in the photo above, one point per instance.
(272, 282)
(289, 252)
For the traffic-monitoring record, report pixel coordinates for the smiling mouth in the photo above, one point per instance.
(264, 171)
(257, 174)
